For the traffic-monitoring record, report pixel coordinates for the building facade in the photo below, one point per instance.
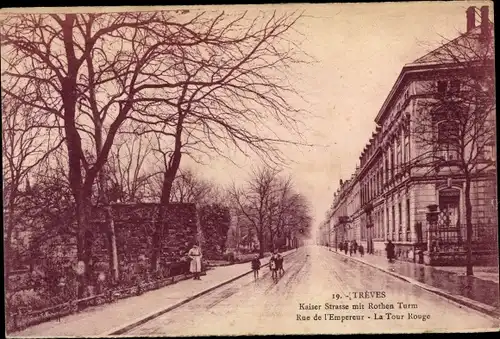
(393, 190)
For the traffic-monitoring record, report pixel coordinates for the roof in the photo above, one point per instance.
(460, 49)
(463, 48)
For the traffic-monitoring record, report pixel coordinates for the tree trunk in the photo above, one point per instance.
(168, 180)
(84, 242)
(161, 225)
(468, 219)
(113, 253)
(261, 245)
(114, 270)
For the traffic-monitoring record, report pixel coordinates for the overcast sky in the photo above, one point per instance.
(360, 50)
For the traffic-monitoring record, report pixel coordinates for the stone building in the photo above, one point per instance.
(391, 193)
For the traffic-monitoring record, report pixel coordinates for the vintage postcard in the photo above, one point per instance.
(249, 169)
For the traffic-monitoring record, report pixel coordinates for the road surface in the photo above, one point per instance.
(317, 294)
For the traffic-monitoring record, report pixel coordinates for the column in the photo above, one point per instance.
(384, 220)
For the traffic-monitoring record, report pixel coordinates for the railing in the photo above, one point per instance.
(23, 318)
(484, 237)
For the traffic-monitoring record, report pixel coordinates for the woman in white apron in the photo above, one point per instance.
(195, 266)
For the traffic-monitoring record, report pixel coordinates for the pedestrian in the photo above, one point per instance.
(346, 247)
(273, 266)
(256, 267)
(279, 264)
(195, 265)
(361, 250)
(341, 247)
(390, 251)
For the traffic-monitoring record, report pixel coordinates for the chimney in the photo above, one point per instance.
(485, 21)
(471, 18)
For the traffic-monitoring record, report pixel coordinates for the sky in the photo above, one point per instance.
(359, 51)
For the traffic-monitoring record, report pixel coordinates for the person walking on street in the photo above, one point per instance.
(354, 247)
(195, 265)
(279, 264)
(361, 250)
(273, 266)
(346, 247)
(390, 251)
(256, 267)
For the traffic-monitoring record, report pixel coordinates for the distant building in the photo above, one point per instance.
(387, 200)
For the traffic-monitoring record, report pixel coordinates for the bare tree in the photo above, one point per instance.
(454, 127)
(190, 188)
(24, 147)
(253, 201)
(128, 169)
(233, 88)
(85, 70)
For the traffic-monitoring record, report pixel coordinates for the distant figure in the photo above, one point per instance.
(361, 250)
(273, 265)
(341, 247)
(346, 247)
(279, 264)
(195, 265)
(354, 246)
(390, 251)
(256, 267)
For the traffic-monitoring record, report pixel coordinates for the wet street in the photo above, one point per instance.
(319, 293)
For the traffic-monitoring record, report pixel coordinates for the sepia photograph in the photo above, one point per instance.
(249, 169)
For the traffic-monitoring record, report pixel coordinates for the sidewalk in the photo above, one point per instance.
(474, 292)
(108, 318)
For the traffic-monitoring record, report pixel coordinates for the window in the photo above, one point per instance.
(393, 219)
(400, 212)
(387, 223)
(408, 214)
(398, 157)
(455, 86)
(386, 170)
(442, 87)
(407, 149)
(392, 162)
(447, 140)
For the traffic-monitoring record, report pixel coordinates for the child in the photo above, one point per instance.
(361, 250)
(279, 264)
(256, 267)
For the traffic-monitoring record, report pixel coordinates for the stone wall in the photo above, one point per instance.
(134, 228)
(214, 222)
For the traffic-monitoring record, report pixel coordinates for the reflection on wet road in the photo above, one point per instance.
(319, 293)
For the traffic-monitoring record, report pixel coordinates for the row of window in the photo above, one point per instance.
(393, 220)
(395, 158)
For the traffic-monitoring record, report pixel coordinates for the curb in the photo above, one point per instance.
(476, 305)
(123, 329)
